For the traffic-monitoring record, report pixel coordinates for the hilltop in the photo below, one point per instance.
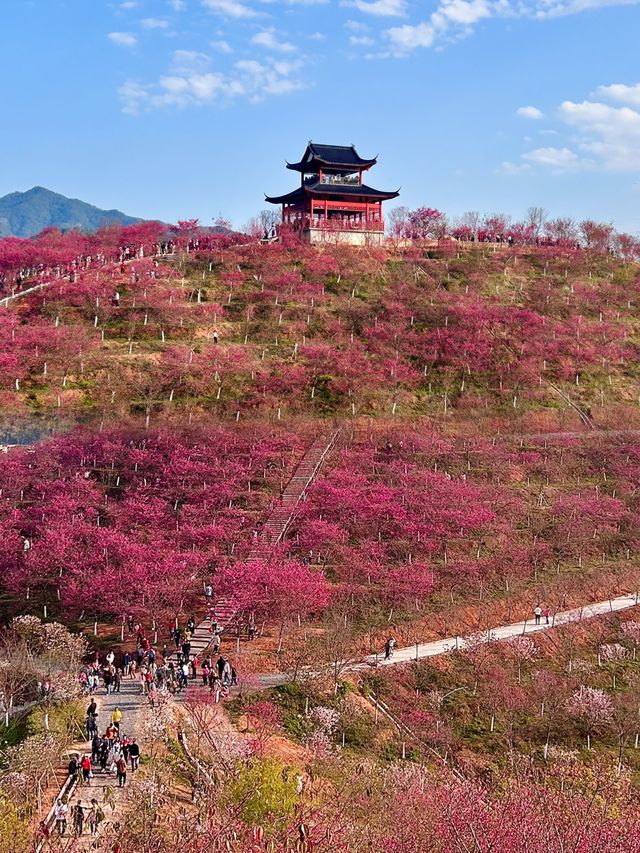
(25, 214)
(480, 408)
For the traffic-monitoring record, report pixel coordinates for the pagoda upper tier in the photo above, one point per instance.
(331, 191)
(337, 159)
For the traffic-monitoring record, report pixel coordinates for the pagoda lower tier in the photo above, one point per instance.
(335, 210)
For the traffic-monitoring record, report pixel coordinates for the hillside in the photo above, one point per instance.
(25, 214)
(485, 401)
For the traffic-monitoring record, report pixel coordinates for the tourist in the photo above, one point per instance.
(96, 815)
(116, 718)
(220, 664)
(216, 640)
(546, 613)
(95, 747)
(134, 754)
(183, 675)
(388, 648)
(121, 771)
(73, 768)
(126, 663)
(537, 613)
(61, 812)
(117, 680)
(110, 658)
(107, 679)
(104, 754)
(77, 814)
(85, 765)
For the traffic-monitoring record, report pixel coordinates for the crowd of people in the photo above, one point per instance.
(113, 752)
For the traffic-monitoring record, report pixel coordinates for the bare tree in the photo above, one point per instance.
(536, 217)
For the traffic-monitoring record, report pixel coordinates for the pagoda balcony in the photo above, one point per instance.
(329, 180)
(334, 223)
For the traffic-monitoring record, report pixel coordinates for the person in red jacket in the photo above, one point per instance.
(85, 764)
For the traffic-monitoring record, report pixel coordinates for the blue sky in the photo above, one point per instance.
(188, 108)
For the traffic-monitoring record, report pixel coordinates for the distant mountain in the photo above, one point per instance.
(29, 213)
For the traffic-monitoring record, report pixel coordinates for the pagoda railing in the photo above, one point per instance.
(337, 224)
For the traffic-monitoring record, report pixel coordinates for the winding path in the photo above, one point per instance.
(504, 632)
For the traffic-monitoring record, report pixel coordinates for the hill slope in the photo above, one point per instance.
(29, 213)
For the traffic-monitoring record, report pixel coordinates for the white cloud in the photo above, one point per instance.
(230, 8)
(611, 134)
(154, 23)
(129, 4)
(364, 41)
(562, 8)
(248, 79)
(455, 19)
(189, 62)
(599, 136)
(530, 112)
(620, 92)
(557, 159)
(357, 27)
(269, 40)
(222, 46)
(509, 168)
(407, 38)
(380, 8)
(177, 5)
(317, 37)
(462, 12)
(123, 39)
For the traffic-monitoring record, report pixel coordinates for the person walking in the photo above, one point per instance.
(121, 771)
(85, 765)
(95, 747)
(388, 648)
(220, 664)
(134, 754)
(546, 613)
(96, 815)
(216, 643)
(116, 718)
(104, 753)
(537, 612)
(78, 818)
(73, 768)
(61, 812)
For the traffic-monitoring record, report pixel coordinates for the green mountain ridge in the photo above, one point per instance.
(25, 214)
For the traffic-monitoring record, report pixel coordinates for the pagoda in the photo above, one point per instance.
(332, 204)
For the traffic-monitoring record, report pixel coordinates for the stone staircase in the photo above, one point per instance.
(277, 524)
(272, 533)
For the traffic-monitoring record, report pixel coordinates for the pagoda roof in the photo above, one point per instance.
(331, 156)
(353, 191)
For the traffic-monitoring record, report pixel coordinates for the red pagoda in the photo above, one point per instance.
(332, 204)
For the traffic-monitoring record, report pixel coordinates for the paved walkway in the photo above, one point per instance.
(103, 785)
(505, 632)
